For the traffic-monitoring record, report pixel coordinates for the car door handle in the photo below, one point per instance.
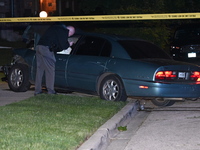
(60, 59)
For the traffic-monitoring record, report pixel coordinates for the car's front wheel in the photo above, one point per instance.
(112, 89)
(162, 102)
(18, 78)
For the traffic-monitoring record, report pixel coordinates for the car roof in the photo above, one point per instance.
(108, 36)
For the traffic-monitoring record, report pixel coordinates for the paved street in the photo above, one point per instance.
(169, 128)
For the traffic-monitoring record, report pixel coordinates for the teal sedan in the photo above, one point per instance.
(113, 67)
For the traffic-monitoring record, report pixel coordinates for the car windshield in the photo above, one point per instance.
(187, 33)
(143, 50)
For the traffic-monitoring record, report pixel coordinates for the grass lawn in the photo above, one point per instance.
(53, 122)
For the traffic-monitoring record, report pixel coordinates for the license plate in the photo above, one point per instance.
(192, 55)
(181, 75)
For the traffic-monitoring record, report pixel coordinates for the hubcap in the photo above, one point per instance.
(110, 90)
(16, 77)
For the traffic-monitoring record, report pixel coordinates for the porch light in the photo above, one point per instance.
(43, 14)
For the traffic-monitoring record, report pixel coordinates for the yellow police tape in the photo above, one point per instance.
(106, 17)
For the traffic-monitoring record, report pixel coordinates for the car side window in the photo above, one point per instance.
(67, 51)
(94, 46)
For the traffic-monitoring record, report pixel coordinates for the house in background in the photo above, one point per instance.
(59, 7)
(30, 8)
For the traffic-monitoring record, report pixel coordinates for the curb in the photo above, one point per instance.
(101, 138)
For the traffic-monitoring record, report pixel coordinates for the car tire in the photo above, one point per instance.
(18, 78)
(112, 89)
(162, 102)
(171, 103)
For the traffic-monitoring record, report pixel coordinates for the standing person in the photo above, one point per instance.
(53, 40)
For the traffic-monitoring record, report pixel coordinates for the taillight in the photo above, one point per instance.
(195, 76)
(165, 75)
(175, 47)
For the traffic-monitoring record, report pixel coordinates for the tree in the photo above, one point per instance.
(156, 31)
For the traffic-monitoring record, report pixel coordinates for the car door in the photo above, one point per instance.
(61, 62)
(60, 68)
(88, 63)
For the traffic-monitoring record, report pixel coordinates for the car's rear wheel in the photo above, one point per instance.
(112, 89)
(162, 102)
(18, 78)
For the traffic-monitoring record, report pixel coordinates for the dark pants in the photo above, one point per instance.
(45, 63)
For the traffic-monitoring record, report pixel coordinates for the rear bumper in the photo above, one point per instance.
(163, 90)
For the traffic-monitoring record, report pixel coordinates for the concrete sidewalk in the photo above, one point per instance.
(7, 96)
(5, 47)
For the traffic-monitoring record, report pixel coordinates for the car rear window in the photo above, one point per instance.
(143, 50)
